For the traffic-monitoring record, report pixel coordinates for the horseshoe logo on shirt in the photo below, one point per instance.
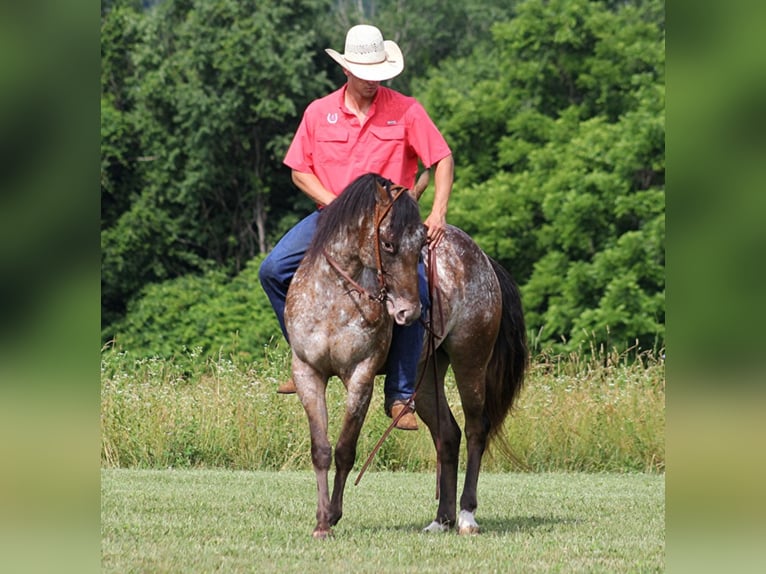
(332, 118)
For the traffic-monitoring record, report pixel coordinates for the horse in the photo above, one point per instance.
(358, 277)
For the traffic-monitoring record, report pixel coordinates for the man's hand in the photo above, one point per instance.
(436, 225)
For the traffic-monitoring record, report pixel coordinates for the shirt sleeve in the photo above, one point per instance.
(424, 137)
(300, 155)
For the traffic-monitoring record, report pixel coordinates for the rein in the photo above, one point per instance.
(380, 215)
(381, 296)
(433, 278)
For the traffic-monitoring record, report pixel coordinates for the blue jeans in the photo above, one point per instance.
(276, 273)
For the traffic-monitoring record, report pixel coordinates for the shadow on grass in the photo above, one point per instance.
(497, 526)
(489, 526)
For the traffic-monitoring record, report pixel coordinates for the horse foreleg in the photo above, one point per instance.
(449, 447)
(321, 455)
(311, 391)
(357, 404)
(432, 407)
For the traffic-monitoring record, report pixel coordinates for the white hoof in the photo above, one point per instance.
(436, 527)
(466, 523)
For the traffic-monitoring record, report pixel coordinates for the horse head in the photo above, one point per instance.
(398, 238)
(372, 236)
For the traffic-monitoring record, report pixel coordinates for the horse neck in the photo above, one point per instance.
(353, 252)
(354, 255)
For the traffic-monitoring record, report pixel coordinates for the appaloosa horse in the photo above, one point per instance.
(360, 275)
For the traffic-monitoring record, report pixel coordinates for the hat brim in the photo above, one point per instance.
(390, 68)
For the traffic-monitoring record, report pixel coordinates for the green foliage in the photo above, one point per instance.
(560, 164)
(209, 313)
(554, 111)
(199, 99)
(602, 272)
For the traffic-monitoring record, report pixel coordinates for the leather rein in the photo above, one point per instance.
(380, 296)
(432, 336)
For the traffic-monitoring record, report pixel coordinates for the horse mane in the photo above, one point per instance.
(342, 216)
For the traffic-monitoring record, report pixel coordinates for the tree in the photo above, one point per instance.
(211, 312)
(212, 93)
(557, 126)
(554, 110)
(428, 31)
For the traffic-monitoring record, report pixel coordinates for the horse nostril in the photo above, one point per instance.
(407, 316)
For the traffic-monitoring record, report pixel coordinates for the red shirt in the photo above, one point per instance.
(331, 143)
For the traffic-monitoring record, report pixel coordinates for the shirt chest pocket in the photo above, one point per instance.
(387, 145)
(331, 135)
(331, 145)
(393, 134)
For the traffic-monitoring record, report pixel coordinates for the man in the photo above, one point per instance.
(364, 127)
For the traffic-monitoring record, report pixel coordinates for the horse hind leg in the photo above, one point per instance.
(476, 442)
(470, 384)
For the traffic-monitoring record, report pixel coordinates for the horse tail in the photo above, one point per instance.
(509, 360)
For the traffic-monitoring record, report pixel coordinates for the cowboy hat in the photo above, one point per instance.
(367, 56)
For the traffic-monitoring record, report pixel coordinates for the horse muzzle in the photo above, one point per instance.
(404, 312)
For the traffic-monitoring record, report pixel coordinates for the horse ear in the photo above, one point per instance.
(420, 185)
(384, 197)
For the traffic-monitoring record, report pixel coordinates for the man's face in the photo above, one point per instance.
(364, 88)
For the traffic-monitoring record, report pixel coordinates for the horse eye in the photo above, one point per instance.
(388, 247)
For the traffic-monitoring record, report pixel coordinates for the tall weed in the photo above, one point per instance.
(581, 413)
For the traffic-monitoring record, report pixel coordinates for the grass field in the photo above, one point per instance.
(239, 521)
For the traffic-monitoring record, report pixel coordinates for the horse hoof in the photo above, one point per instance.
(436, 527)
(466, 523)
(321, 534)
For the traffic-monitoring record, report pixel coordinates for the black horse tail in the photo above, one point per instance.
(509, 361)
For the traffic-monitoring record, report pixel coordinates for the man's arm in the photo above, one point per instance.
(309, 184)
(437, 219)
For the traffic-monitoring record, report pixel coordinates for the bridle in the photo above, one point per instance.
(432, 337)
(380, 214)
(382, 294)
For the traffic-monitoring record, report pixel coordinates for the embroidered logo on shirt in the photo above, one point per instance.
(332, 118)
(391, 122)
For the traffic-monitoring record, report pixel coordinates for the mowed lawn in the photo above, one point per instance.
(236, 521)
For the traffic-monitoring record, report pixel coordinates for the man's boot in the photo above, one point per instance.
(407, 420)
(287, 387)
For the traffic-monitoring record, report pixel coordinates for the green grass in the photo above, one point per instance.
(237, 521)
(599, 414)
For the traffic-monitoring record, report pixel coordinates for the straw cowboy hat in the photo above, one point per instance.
(368, 56)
